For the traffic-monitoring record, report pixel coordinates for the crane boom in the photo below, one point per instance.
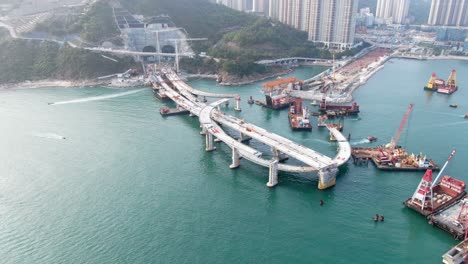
(402, 126)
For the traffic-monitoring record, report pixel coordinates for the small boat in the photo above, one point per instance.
(453, 105)
(315, 113)
(371, 138)
(465, 116)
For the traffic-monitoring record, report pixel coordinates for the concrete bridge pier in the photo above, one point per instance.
(277, 155)
(209, 142)
(273, 174)
(327, 177)
(235, 159)
(237, 107)
(203, 130)
(243, 137)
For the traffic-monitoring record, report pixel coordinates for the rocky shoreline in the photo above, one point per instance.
(254, 78)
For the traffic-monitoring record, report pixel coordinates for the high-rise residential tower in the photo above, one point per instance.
(392, 11)
(448, 13)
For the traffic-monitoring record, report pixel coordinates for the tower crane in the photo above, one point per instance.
(395, 139)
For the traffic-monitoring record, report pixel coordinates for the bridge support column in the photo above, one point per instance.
(235, 159)
(327, 177)
(203, 130)
(237, 107)
(278, 155)
(244, 137)
(209, 142)
(273, 174)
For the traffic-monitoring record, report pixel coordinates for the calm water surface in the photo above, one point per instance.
(129, 186)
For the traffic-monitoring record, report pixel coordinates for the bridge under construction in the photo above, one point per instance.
(212, 118)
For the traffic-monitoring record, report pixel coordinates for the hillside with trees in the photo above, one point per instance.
(36, 60)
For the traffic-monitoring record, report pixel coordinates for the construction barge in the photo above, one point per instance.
(338, 110)
(299, 116)
(458, 254)
(158, 91)
(440, 86)
(393, 157)
(166, 111)
(452, 219)
(432, 196)
(276, 93)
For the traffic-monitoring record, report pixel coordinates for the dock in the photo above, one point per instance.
(401, 160)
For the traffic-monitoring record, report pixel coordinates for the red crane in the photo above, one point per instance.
(400, 129)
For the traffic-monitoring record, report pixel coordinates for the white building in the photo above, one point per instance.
(392, 11)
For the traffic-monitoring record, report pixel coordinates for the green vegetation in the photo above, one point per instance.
(60, 25)
(35, 60)
(200, 18)
(98, 24)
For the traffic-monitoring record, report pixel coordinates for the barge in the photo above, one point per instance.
(458, 254)
(452, 219)
(397, 160)
(299, 116)
(433, 84)
(338, 110)
(450, 86)
(166, 111)
(431, 197)
(276, 93)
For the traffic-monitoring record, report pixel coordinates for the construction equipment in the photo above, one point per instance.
(281, 83)
(395, 139)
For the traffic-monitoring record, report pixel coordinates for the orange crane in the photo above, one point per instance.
(278, 84)
(452, 79)
(395, 139)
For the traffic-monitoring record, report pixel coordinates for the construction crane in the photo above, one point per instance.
(452, 79)
(395, 139)
(177, 49)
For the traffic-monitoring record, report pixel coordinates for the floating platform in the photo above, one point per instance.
(166, 111)
(448, 219)
(359, 154)
(457, 254)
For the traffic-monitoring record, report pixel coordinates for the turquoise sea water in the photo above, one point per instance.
(129, 186)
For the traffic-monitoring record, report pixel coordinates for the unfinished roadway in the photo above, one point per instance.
(211, 119)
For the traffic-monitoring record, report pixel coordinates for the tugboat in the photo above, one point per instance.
(465, 116)
(371, 139)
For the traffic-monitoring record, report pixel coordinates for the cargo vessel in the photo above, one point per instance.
(451, 85)
(299, 116)
(431, 196)
(338, 110)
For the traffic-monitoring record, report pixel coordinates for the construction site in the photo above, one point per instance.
(394, 157)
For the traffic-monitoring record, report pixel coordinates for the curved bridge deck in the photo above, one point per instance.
(210, 119)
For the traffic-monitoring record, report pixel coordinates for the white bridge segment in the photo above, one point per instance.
(344, 148)
(245, 151)
(179, 83)
(314, 161)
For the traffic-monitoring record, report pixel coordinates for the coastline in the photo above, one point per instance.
(254, 80)
(46, 83)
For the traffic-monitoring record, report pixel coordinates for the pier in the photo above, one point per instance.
(212, 118)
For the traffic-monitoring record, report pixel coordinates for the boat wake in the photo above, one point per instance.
(97, 98)
(50, 136)
(360, 142)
